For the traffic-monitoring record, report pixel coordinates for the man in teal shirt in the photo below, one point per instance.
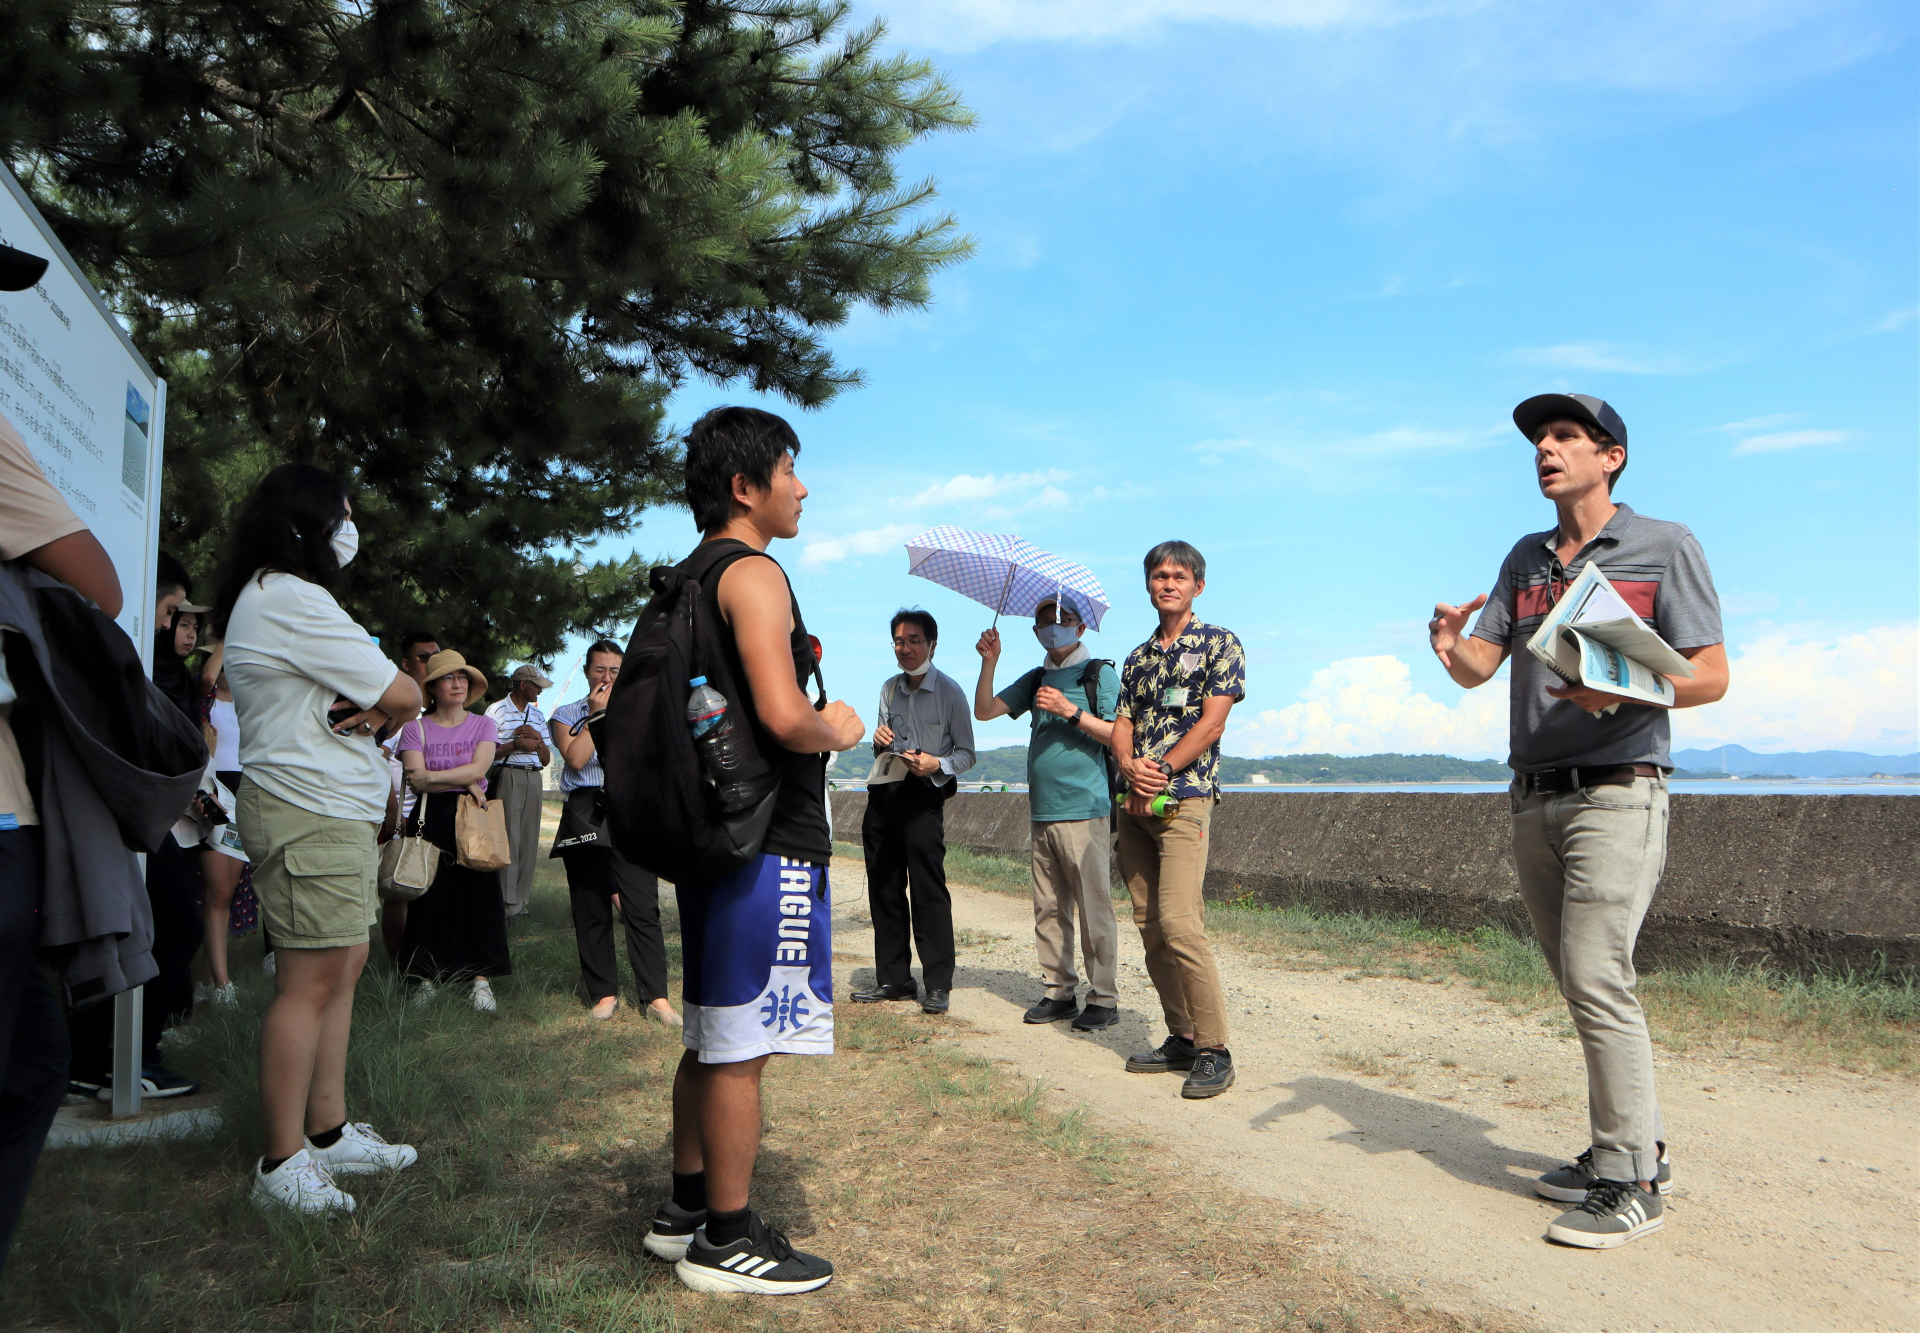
(1070, 797)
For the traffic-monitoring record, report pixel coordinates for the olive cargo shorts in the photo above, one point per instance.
(316, 876)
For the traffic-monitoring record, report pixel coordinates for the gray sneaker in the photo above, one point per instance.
(1614, 1213)
(1570, 1183)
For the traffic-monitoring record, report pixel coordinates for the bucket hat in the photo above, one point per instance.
(446, 662)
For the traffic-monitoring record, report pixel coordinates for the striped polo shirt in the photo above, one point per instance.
(1660, 571)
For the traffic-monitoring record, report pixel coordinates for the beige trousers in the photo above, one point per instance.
(1164, 862)
(1588, 863)
(519, 788)
(1070, 877)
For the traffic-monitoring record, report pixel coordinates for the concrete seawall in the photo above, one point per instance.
(1788, 880)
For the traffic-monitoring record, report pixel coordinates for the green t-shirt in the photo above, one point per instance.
(1066, 768)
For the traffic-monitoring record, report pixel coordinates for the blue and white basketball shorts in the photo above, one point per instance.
(757, 952)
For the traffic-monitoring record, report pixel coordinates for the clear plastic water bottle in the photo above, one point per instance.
(712, 729)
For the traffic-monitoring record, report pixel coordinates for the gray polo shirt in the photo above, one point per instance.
(1660, 571)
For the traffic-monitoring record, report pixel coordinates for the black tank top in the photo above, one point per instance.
(799, 828)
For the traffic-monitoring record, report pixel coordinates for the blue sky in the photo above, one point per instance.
(1270, 277)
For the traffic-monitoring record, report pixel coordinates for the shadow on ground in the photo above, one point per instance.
(1386, 1122)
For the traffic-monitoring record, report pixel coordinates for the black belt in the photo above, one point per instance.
(1552, 781)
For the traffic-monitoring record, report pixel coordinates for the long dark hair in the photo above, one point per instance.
(287, 526)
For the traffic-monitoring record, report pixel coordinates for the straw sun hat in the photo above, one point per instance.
(446, 662)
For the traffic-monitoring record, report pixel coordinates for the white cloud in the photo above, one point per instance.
(1896, 320)
(1601, 357)
(964, 489)
(1790, 439)
(1760, 423)
(870, 541)
(1792, 690)
(1367, 705)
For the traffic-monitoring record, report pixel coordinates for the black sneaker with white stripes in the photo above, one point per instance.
(761, 1262)
(1616, 1212)
(672, 1231)
(1570, 1183)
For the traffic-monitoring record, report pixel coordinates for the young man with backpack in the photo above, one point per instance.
(758, 948)
(1069, 795)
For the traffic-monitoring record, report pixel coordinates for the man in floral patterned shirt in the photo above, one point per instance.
(1175, 692)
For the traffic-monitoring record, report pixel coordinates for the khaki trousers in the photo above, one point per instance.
(519, 787)
(1588, 863)
(1070, 877)
(1164, 862)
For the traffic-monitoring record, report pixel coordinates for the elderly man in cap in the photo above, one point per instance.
(1589, 796)
(1072, 696)
(523, 749)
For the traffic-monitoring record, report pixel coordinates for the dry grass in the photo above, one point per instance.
(951, 1196)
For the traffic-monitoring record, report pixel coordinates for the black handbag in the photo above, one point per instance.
(583, 822)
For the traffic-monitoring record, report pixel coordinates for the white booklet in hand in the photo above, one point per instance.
(1593, 638)
(888, 767)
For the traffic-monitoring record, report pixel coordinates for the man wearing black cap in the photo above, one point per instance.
(1589, 794)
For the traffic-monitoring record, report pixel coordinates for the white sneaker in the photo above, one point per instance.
(422, 994)
(228, 995)
(202, 993)
(361, 1152)
(299, 1185)
(483, 996)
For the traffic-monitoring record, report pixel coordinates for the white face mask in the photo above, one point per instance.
(1056, 636)
(920, 670)
(346, 543)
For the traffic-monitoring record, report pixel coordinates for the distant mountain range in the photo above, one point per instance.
(1009, 764)
(1739, 760)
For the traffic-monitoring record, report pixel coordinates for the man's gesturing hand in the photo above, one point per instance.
(1448, 627)
(840, 715)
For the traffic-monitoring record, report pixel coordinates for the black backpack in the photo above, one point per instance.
(663, 813)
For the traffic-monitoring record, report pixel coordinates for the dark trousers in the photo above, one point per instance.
(33, 1032)
(173, 891)
(906, 844)
(594, 875)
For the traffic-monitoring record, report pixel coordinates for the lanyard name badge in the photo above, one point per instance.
(1176, 696)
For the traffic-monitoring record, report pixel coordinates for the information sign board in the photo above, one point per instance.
(91, 408)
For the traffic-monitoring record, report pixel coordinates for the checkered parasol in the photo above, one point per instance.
(1002, 571)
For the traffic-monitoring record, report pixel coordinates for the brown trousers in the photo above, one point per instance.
(1164, 864)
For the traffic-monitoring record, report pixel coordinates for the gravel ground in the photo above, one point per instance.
(1412, 1117)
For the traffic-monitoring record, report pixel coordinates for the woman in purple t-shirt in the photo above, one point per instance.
(457, 929)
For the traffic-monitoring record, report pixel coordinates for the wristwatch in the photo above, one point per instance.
(1078, 713)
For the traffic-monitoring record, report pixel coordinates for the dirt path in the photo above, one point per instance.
(1795, 1201)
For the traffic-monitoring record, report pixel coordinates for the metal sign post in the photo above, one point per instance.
(94, 414)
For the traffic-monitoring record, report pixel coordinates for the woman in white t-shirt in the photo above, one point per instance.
(310, 688)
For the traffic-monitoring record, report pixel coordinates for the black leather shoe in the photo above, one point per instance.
(879, 993)
(1095, 1017)
(1051, 1011)
(934, 1002)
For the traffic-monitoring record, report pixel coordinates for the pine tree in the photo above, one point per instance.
(461, 253)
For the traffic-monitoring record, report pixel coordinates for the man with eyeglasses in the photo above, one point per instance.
(1589, 799)
(924, 742)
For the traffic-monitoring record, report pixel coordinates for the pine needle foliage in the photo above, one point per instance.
(461, 251)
